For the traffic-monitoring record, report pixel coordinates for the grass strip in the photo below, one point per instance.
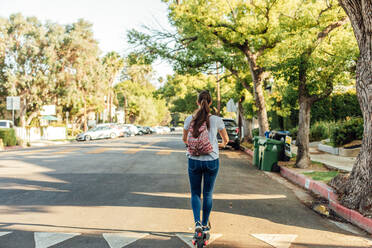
(324, 176)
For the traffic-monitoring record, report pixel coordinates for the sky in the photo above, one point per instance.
(111, 19)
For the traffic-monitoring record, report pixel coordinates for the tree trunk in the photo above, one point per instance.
(85, 116)
(257, 77)
(356, 192)
(30, 118)
(248, 130)
(260, 104)
(240, 117)
(22, 113)
(110, 106)
(303, 154)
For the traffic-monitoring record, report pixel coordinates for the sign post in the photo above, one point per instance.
(13, 103)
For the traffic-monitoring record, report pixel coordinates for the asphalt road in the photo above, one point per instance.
(134, 192)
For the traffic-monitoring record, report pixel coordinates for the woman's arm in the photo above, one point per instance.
(225, 138)
(184, 137)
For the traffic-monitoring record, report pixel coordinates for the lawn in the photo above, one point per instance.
(324, 176)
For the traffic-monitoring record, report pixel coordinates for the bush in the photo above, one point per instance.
(293, 133)
(336, 107)
(255, 132)
(8, 136)
(73, 133)
(347, 131)
(320, 130)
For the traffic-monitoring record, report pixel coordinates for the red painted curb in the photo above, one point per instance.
(328, 193)
(249, 152)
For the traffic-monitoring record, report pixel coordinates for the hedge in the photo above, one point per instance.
(8, 136)
(337, 106)
(347, 131)
(321, 130)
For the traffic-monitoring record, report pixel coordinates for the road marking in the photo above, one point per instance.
(187, 238)
(217, 196)
(97, 150)
(47, 239)
(36, 151)
(4, 233)
(277, 240)
(164, 152)
(140, 148)
(119, 240)
(68, 150)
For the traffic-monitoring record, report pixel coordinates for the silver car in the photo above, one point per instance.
(98, 133)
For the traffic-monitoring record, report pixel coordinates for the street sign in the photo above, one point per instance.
(48, 110)
(13, 102)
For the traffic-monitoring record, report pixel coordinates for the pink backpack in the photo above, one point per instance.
(200, 145)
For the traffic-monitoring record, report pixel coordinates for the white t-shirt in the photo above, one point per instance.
(215, 124)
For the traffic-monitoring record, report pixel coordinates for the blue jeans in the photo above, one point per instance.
(197, 171)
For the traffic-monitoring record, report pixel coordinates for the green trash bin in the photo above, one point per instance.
(272, 151)
(256, 155)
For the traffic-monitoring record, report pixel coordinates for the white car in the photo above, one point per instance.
(132, 128)
(166, 129)
(159, 130)
(99, 133)
(6, 124)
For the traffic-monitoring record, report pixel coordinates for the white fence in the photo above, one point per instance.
(41, 133)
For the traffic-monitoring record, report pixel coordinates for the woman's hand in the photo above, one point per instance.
(184, 136)
(221, 145)
(225, 138)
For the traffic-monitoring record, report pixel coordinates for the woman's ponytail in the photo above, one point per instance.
(202, 114)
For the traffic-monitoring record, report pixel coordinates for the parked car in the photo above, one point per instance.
(166, 129)
(134, 130)
(159, 130)
(101, 132)
(233, 132)
(6, 124)
(152, 130)
(148, 130)
(124, 131)
(141, 130)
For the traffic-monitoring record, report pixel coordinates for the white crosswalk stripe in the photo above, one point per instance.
(187, 238)
(114, 240)
(4, 233)
(47, 239)
(119, 240)
(277, 240)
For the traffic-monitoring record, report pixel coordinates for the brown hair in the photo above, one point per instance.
(202, 113)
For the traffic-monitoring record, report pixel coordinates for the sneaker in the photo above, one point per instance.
(198, 230)
(206, 231)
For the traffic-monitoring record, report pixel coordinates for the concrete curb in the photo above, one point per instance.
(328, 193)
(249, 152)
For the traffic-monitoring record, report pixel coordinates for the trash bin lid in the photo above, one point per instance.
(275, 142)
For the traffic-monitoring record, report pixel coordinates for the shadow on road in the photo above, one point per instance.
(143, 180)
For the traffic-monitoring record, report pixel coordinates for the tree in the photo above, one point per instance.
(316, 55)
(137, 95)
(356, 190)
(26, 64)
(242, 28)
(113, 64)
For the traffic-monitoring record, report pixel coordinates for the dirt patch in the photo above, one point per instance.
(353, 144)
(314, 166)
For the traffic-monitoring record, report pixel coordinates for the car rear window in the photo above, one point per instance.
(229, 123)
(2, 124)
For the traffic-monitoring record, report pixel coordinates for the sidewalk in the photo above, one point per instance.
(37, 143)
(344, 164)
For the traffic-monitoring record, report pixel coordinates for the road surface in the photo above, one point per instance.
(134, 192)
